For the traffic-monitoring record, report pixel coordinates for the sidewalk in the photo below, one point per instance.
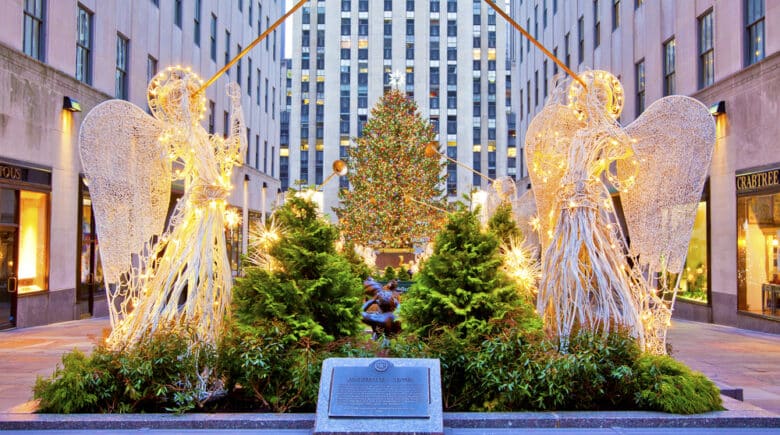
(735, 357)
(730, 356)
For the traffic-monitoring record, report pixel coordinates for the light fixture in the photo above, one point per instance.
(71, 104)
(718, 108)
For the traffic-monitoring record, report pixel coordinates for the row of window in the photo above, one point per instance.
(33, 45)
(754, 30)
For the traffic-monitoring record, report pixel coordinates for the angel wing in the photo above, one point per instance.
(129, 179)
(547, 144)
(674, 140)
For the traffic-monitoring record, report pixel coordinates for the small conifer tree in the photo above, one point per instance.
(503, 225)
(461, 285)
(312, 290)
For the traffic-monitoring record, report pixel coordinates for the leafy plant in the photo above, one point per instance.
(667, 385)
(159, 374)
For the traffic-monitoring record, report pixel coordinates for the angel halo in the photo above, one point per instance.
(158, 276)
(578, 154)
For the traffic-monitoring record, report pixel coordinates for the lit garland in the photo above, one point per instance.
(520, 263)
(184, 279)
(390, 176)
(661, 159)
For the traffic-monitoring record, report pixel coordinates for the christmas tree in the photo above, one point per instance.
(396, 189)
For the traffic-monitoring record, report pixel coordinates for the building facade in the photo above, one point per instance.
(452, 55)
(725, 54)
(57, 57)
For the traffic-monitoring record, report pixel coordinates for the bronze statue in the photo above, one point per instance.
(384, 321)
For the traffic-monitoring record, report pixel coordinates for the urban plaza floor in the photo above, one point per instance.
(731, 357)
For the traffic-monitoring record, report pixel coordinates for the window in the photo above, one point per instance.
(435, 5)
(669, 67)
(196, 28)
(257, 91)
(266, 96)
(346, 5)
(638, 3)
(177, 13)
(452, 28)
(581, 39)
(409, 27)
(567, 54)
(120, 78)
(544, 79)
(212, 121)
(536, 22)
(213, 38)
(249, 75)
(346, 26)
(363, 5)
(33, 243)
(33, 28)
(410, 5)
(363, 27)
(238, 66)
(84, 46)
(758, 254)
(227, 50)
(754, 25)
(225, 123)
(536, 88)
(706, 51)
(596, 24)
(544, 14)
(151, 68)
(615, 14)
(640, 87)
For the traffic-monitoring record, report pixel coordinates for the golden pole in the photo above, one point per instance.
(432, 149)
(536, 43)
(251, 46)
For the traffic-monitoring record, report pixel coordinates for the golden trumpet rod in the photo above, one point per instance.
(251, 46)
(462, 165)
(425, 203)
(536, 43)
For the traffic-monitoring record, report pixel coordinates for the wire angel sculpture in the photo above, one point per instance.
(157, 277)
(577, 149)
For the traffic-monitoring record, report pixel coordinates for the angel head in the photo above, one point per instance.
(173, 96)
(604, 94)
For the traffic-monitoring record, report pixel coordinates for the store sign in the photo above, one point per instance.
(758, 181)
(10, 172)
(23, 175)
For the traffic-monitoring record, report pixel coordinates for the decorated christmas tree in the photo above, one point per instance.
(396, 188)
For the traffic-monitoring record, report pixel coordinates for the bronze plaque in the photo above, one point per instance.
(380, 390)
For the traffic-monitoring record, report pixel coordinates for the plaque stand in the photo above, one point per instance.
(379, 396)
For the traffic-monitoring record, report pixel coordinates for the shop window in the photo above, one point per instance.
(693, 282)
(33, 241)
(758, 265)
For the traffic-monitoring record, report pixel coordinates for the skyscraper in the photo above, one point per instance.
(452, 55)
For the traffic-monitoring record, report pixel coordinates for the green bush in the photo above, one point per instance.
(313, 291)
(667, 385)
(503, 224)
(163, 373)
(461, 285)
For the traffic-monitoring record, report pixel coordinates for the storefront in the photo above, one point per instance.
(24, 235)
(758, 237)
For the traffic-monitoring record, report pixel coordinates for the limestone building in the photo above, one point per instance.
(724, 53)
(59, 56)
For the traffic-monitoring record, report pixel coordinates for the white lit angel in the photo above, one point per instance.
(576, 149)
(178, 276)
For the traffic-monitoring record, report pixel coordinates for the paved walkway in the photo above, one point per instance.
(734, 357)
